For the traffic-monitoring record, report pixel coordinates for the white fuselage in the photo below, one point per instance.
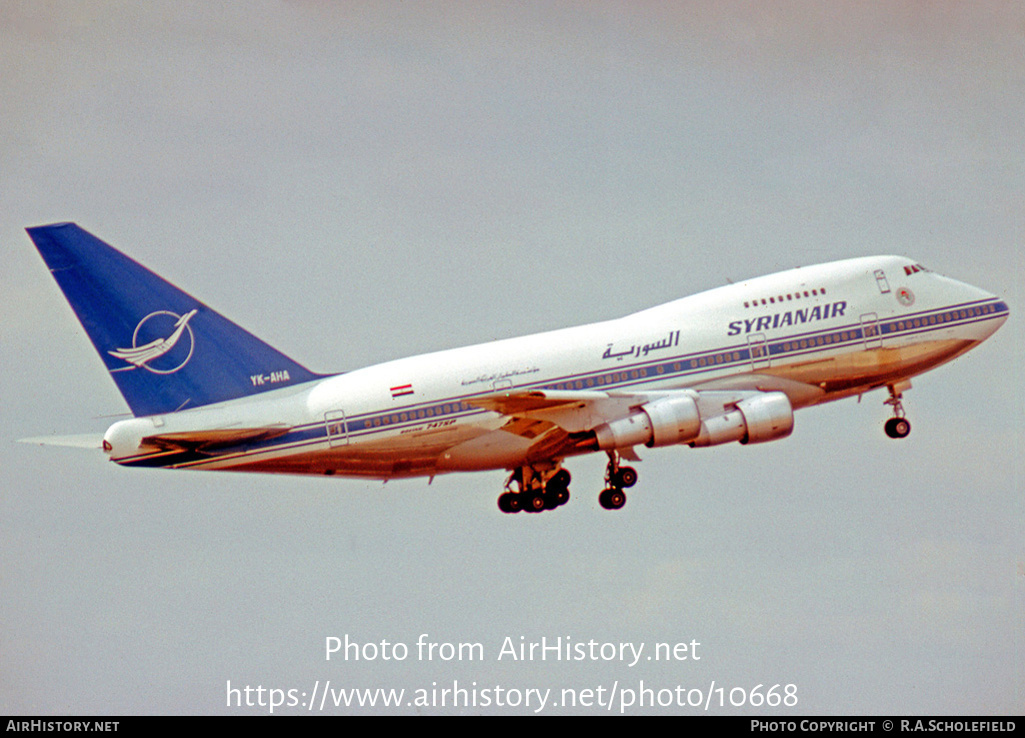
(816, 334)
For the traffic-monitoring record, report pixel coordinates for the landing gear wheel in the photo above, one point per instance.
(534, 501)
(612, 498)
(555, 497)
(509, 502)
(557, 489)
(897, 427)
(625, 477)
(561, 479)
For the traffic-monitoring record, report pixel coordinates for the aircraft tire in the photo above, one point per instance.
(625, 477)
(612, 498)
(509, 502)
(561, 479)
(897, 427)
(556, 497)
(534, 501)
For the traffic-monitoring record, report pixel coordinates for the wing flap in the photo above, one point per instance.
(573, 411)
(529, 428)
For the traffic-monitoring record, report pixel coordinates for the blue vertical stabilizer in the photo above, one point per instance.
(165, 349)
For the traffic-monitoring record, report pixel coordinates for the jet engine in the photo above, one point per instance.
(763, 417)
(668, 421)
(662, 422)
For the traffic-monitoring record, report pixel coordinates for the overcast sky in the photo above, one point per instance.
(354, 182)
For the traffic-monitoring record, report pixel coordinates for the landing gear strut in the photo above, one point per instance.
(898, 426)
(536, 490)
(617, 478)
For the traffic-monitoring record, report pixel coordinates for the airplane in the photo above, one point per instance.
(728, 365)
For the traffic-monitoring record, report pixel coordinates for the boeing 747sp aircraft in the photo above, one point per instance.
(730, 364)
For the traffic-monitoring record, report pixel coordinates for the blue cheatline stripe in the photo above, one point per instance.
(684, 365)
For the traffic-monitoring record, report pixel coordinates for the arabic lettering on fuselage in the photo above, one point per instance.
(638, 350)
(789, 317)
(487, 378)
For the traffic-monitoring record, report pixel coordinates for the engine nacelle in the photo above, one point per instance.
(769, 416)
(663, 422)
(763, 417)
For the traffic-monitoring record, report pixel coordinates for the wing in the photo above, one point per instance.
(573, 411)
(557, 423)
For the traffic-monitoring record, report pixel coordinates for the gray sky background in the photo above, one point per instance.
(354, 182)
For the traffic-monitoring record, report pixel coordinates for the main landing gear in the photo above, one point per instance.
(531, 489)
(898, 426)
(617, 478)
(536, 490)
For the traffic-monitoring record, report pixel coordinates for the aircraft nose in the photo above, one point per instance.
(989, 310)
(964, 292)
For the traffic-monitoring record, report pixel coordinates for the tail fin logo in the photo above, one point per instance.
(171, 330)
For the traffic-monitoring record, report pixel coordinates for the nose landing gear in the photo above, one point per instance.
(898, 426)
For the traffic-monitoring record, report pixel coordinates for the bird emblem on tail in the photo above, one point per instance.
(140, 356)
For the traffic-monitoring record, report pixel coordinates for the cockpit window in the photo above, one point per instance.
(909, 270)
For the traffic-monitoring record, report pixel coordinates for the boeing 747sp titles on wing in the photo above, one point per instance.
(730, 364)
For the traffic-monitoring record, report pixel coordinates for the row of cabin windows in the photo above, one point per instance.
(946, 317)
(430, 412)
(781, 298)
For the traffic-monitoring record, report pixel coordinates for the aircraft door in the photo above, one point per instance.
(870, 332)
(337, 428)
(759, 351)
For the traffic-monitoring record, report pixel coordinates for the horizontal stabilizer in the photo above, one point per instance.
(83, 440)
(206, 440)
